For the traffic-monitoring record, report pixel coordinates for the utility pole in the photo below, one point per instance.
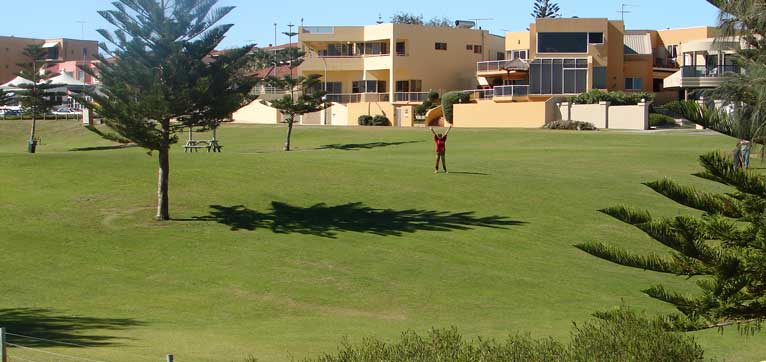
(3, 351)
(275, 34)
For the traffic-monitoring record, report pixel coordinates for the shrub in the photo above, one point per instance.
(619, 336)
(449, 99)
(615, 98)
(571, 125)
(365, 120)
(661, 120)
(430, 102)
(380, 121)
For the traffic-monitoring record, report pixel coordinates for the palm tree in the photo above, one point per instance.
(545, 9)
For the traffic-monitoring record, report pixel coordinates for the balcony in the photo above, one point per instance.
(701, 76)
(357, 97)
(410, 97)
(510, 91)
(501, 66)
(480, 94)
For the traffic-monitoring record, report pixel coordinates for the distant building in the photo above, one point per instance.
(62, 50)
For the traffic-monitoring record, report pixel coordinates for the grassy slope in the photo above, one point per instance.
(76, 236)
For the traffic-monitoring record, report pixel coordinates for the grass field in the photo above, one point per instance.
(280, 255)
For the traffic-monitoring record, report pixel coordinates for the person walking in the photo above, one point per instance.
(736, 156)
(744, 153)
(441, 148)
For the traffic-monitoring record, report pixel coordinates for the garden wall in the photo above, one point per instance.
(604, 115)
(488, 114)
(257, 113)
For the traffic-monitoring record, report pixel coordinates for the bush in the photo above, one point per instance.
(380, 121)
(661, 120)
(430, 102)
(449, 99)
(620, 336)
(365, 120)
(615, 98)
(571, 125)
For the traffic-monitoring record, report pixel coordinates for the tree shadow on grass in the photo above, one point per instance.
(327, 221)
(51, 330)
(362, 146)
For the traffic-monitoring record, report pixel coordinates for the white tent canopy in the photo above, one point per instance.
(14, 83)
(65, 79)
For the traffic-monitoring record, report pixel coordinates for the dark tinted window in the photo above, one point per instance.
(562, 42)
(557, 76)
(595, 38)
(599, 78)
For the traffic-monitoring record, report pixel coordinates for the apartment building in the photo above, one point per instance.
(60, 50)
(387, 68)
(564, 57)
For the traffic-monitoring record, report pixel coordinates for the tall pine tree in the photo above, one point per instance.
(38, 97)
(545, 9)
(160, 81)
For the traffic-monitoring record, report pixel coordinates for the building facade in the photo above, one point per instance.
(59, 50)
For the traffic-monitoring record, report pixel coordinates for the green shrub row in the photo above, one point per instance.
(614, 98)
(571, 125)
(449, 99)
(661, 120)
(378, 120)
(622, 336)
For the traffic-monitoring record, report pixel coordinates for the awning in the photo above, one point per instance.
(50, 44)
(483, 81)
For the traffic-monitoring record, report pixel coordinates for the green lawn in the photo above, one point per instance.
(280, 255)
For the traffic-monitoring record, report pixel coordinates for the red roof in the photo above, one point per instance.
(278, 71)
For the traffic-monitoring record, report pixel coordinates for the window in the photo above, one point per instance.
(477, 49)
(413, 85)
(401, 48)
(558, 76)
(519, 54)
(469, 47)
(332, 87)
(368, 86)
(440, 46)
(672, 51)
(80, 75)
(633, 84)
(599, 78)
(595, 38)
(562, 42)
(500, 56)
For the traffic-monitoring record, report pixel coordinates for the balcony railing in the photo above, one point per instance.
(492, 66)
(480, 93)
(344, 97)
(357, 97)
(410, 96)
(511, 91)
(318, 30)
(703, 71)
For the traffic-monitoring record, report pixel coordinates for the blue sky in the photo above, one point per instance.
(254, 19)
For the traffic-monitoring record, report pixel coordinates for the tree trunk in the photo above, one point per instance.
(289, 133)
(163, 175)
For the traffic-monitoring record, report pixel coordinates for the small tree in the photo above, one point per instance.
(39, 96)
(448, 101)
(545, 9)
(442, 22)
(726, 248)
(407, 18)
(161, 81)
(305, 93)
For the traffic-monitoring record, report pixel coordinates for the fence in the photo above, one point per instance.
(20, 350)
(511, 91)
(410, 96)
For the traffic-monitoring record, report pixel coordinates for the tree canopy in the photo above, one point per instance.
(545, 9)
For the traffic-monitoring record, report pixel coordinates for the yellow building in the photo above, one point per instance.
(387, 68)
(12, 48)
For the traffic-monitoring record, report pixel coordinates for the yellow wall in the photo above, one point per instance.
(683, 35)
(257, 112)
(640, 66)
(517, 40)
(371, 109)
(488, 114)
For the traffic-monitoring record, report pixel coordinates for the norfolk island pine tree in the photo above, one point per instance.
(158, 83)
